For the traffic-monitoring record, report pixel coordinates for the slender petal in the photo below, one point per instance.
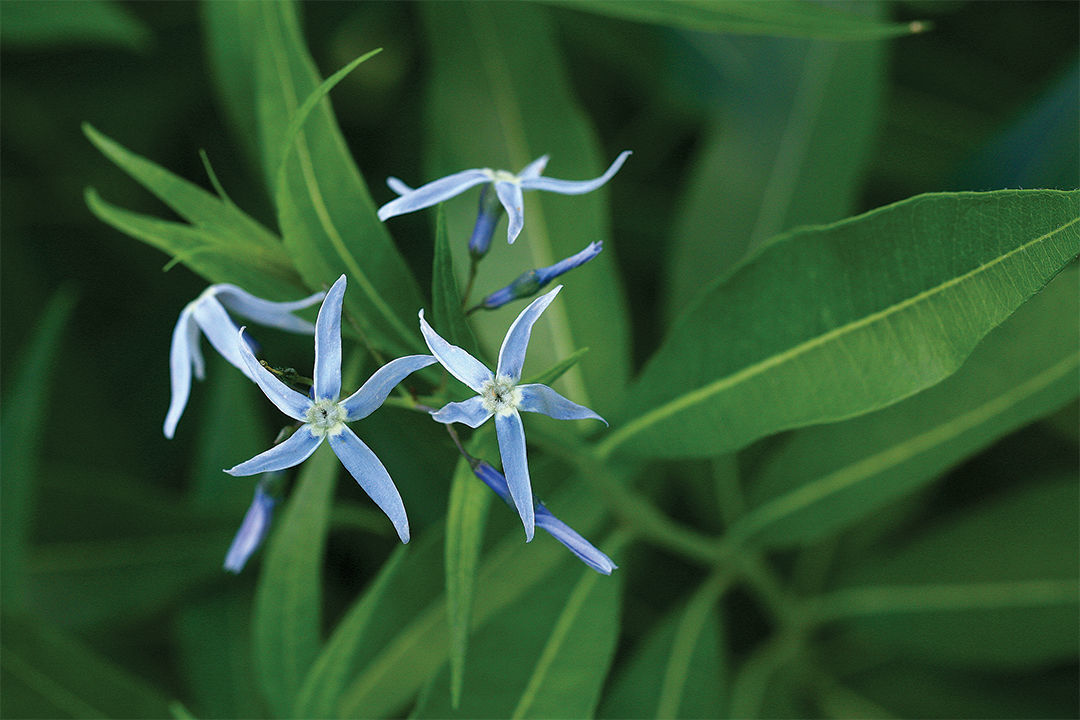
(511, 436)
(328, 344)
(298, 448)
(457, 362)
(285, 398)
(398, 186)
(512, 352)
(433, 193)
(535, 168)
(578, 545)
(512, 201)
(469, 412)
(371, 394)
(220, 330)
(265, 312)
(185, 337)
(574, 187)
(372, 476)
(252, 531)
(542, 399)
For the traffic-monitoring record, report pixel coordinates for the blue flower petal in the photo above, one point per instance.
(398, 185)
(542, 399)
(511, 436)
(252, 531)
(534, 169)
(433, 193)
(265, 312)
(574, 187)
(458, 363)
(469, 412)
(578, 545)
(298, 448)
(371, 394)
(328, 344)
(185, 345)
(516, 342)
(512, 201)
(366, 469)
(285, 398)
(219, 329)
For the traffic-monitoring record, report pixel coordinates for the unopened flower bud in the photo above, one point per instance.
(487, 217)
(533, 281)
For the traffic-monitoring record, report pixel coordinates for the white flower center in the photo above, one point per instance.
(325, 417)
(501, 395)
(503, 176)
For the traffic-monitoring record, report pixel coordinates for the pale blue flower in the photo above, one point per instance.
(324, 417)
(508, 188)
(499, 394)
(253, 530)
(529, 283)
(585, 550)
(209, 314)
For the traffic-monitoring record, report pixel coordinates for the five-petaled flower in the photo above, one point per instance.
(501, 395)
(508, 187)
(208, 313)
(325, 418)
(585, 550)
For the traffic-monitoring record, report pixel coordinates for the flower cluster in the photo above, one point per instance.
(320, 414)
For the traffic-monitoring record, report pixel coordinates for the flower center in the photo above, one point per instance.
(325, 417)
(501, 395)
(503, 176)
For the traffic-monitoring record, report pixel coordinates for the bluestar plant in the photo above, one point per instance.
(209, 315)
(529, 283)
(253, 529)
(508, 188)
(324, 417)
(585, 550)
(500, 395)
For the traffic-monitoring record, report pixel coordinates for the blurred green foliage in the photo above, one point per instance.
(917, 560)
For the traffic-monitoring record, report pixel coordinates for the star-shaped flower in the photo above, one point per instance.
(209, 313)
(499, 394)
(508, 187)
(585, 550)
(325, 418)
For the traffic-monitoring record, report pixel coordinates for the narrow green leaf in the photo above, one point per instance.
(288, 601)
(259, 270)
(230, 28)
(525, 115)
(326, 214)
(690, 651)
(25, 406)
(788, 152)
(47, 673)
(93, 23)
(784, 18)
(831, 322)
(827, 477)
(397, 665)
(446, 309)
(466, 518)
(993, 587)
(558, 369)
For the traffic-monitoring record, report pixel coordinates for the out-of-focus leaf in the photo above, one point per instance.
(994, 587)
(827, 477)
(677, 671)
(396, 665)
(502, 113)
(213, 637)
(41, 25)
(26, 401)
(830, 322)
(326, 214)
(784, 18)
(777, 155)
(256, 269)
(230, 28)
(288, 600)
(446, 310)
(550, 651)
(47, 673)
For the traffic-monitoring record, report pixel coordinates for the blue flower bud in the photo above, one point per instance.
(252, 531)
(487, 217)
(533, 281)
